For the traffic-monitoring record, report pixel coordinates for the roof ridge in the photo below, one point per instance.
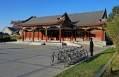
(87, 12)
(68, 14)
(49, 16)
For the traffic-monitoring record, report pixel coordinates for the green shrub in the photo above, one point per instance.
(4, 38)
(14, 37)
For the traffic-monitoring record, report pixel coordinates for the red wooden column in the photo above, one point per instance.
(89, 33)
(38, 34)
(85, 37)
(33, 34)
(49, 38)
(75, 34)
(72, 35)
(46, 30)
(22, 34)
(60, 34)
(102, 34)
(41, 38)
(29, 35)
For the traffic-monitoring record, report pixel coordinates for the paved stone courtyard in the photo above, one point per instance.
(29, 61)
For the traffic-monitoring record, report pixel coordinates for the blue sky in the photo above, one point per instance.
(23, 9)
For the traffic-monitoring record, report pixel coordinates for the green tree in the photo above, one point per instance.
(112, 26)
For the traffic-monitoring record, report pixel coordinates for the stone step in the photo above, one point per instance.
(36, 43)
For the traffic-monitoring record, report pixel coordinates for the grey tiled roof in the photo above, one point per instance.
(13, 29)
(43, 19)
(87, 18)
(1, 33)
(79, 18)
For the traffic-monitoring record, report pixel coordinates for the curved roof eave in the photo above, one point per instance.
(43, 24)
(91, 25)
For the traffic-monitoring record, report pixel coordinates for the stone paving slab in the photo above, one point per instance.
(30, 61)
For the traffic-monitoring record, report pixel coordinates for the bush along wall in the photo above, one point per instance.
(14, 38)
(6, 38)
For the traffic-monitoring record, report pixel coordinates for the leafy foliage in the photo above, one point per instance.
(112, 26)
(4, 37)
(15, 37)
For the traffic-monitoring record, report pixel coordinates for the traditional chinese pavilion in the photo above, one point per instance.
(66, 27)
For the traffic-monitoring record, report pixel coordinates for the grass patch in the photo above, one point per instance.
(88, 68)
(115, 68)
